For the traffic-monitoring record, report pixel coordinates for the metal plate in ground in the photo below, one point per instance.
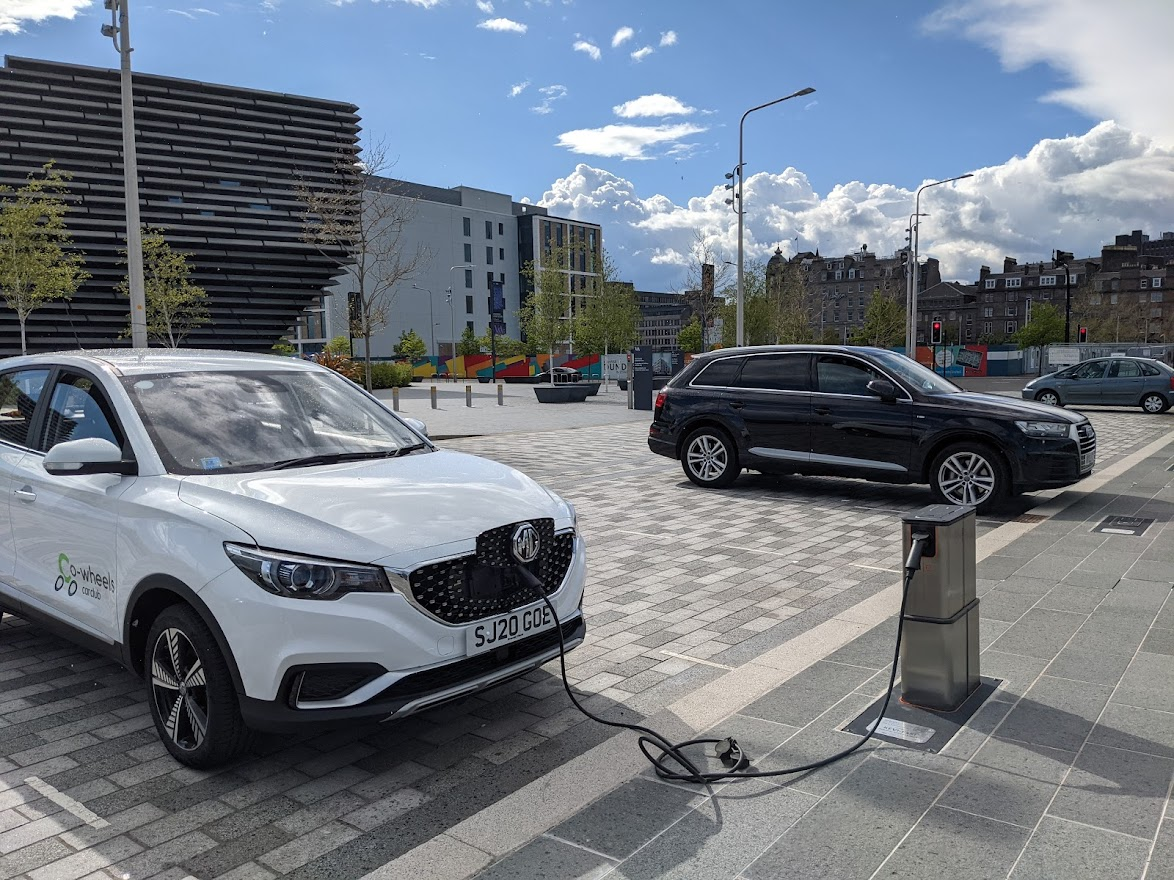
(906, 725)
(1124, 525)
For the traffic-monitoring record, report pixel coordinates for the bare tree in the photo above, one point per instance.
(361, 217)
(703, 295)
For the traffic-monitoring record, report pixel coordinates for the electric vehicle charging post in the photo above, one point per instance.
(939, 653)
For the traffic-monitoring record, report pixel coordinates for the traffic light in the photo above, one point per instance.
(935, 333)
(1084, 334)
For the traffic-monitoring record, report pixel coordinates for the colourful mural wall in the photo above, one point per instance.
(481, 366)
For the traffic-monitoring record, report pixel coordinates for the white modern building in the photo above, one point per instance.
(469, 238)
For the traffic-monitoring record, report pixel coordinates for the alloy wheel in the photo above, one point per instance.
(708, 457)
(1153, 403)
(1050, 398)
(966, 478)
(179, 687)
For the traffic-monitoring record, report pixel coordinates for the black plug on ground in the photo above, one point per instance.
(730, 754)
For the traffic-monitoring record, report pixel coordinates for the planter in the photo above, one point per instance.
(623, 383)
(565, 393)
(592, 387)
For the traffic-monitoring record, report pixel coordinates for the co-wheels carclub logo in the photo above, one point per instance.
(93, 583)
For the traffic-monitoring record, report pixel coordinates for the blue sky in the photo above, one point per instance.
(627, 113)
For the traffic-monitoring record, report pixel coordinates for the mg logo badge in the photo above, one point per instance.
(526, 543)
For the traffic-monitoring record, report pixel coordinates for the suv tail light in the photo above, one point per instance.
(1172, 383)
(660, 400)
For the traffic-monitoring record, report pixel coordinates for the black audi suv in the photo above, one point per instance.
(866, 413)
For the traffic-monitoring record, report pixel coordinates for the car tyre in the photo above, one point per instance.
(710, 458)
(1051, 398)
(1154, 403)
(190, 691)
(970, 473)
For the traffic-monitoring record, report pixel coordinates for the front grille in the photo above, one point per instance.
(330, 682)
(1088, 439)
(485, 583)
(431, 680)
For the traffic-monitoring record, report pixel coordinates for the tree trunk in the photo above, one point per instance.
(24, 349)
(367, 350)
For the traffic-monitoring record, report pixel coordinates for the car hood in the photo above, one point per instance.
(381, 510)
(1006, 407)
(1039, 379)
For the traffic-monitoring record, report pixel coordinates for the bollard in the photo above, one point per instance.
(939, 651)
(468, 395)
(395, 398)
(434, 397)
(501, 395)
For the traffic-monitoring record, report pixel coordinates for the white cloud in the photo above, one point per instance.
(183, 13)
(485, 6)
(550, 95)
(641, 54)
(624, 141)
(1111, 52)
(652, 105)
(590, 48)
(622, 35)
(1075, 193)
(13, 13)
(518, 88)
(503, 25)
(668, 38)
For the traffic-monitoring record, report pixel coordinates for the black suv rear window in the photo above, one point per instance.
(777, 372)
(719, 374)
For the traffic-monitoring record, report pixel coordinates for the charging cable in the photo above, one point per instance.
(659, 750)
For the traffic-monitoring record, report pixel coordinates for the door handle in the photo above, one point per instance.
(823, 411)
(25, 494)
(737, 405)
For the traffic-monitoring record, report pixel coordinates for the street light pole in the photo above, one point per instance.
(911, 331)
(431, 316)
(451, 295)
(119, 32)
(740, 208)
(1062, 258)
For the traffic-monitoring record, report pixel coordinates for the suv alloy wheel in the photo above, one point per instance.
(710, 458)
(967, 473)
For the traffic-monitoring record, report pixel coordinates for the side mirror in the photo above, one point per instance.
(883, 389)
(416, 425)
(93, 455)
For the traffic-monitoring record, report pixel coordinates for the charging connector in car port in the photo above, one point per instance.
(727, 749)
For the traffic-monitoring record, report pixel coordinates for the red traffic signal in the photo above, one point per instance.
(1084, 334)
(935, 333)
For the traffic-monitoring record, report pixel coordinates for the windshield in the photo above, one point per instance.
(914, 374)
(221, 422)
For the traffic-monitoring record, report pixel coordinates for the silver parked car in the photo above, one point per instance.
(1108, 381)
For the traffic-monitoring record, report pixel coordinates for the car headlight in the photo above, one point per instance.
(1044, 429)
(305, 577)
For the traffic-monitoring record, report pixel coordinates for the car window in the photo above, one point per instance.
(1149, 370)
(78, 410)
(19, 393)
(836, 374)
(1124, 370)
(776, 372)
(720, 374)
(1090, 370)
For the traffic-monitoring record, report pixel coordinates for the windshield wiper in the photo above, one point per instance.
(333, 458)
(407, 450)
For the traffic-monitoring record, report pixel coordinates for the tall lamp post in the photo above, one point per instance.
(1062, 258)
(119, 32)
(740, 205)
(431, 317)
(911, 330)
(451, 321)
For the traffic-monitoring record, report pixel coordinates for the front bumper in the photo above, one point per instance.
(419, 690)
(1051, 464)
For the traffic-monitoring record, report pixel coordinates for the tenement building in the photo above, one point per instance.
(219, 170)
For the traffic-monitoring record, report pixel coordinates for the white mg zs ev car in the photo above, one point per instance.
(267, 545)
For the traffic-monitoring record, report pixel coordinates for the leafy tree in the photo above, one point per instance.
(884, 322)
(788, 295)
(610, 321)
(36, 266)
(359, 219)
(284, 347)
(1045, 327)
(410, 346)
(175, 306)
(543, 315)
(469, 343)
(704, 302)
(339, 345)
(759, 310)
(689, 339)
(505, 346)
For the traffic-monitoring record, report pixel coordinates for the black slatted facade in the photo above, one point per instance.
(219, 170)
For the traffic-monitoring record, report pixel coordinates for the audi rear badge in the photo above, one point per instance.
(526, 543)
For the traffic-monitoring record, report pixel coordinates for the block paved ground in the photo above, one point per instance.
(683, 585)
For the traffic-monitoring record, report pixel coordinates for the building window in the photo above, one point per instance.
(1014, 282)
(1010, 327)
(988, 327)
(1155, 296)
(1156, 282)
(1113, 298)
(1156, 313)
(501, 254)
(839, 275)
(501, 229)
(1010, 310)
(468, 252)
(489, 229)
(988, 311)
(1047, 281)
(558, 235)
(489, 281)
(861, 288)
(1011, 297)
(489, 257)
(468, 304)
(469, 324)
(468, 224)
(1145, 282)
(501, 277)
(990, 283)
(469, 278)
(230, 183)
